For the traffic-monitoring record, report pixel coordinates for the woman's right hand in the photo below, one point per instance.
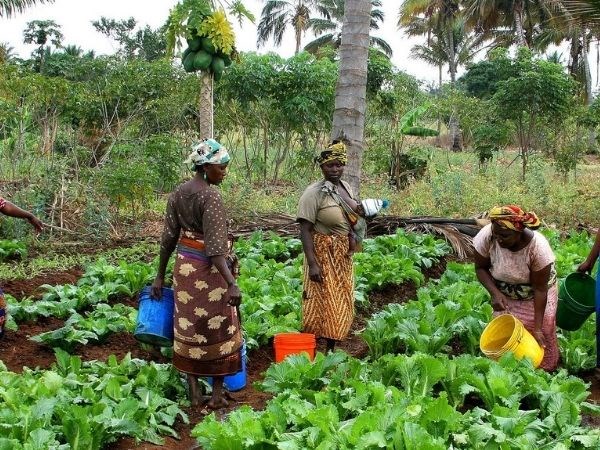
(499, 302)
(156, 288)
(314, 273)
(586, 266)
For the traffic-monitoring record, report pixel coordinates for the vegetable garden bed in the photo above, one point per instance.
(394, 269)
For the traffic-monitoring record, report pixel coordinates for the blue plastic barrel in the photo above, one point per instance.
(236, 381)
(155, 318)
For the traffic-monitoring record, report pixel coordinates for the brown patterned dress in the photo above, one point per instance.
(327, 307)
(208, 336)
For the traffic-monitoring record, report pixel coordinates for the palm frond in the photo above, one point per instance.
(381, 44)
(460, 242)
(9, 8)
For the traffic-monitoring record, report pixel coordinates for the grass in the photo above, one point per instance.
(461, 189)
(453, 186)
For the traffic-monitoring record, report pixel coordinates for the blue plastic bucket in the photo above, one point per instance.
(236, 381)
(155, 318)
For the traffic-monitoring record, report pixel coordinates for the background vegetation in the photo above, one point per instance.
(93, 144)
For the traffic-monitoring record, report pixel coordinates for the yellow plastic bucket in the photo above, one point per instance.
(506, 333)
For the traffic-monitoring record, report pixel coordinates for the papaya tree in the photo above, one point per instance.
(39, 32)
(205, 26)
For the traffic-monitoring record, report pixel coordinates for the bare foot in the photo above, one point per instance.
(217, 403)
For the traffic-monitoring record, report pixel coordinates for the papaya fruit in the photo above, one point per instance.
(208, 46)
(217, 65)
(202, 60)
(188, 62)
(186, 52)
(226, 60)
(217, 76)
(195, 43)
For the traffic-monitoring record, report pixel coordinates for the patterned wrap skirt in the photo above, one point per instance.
(524, 311)
(328, 307)
(208, 335)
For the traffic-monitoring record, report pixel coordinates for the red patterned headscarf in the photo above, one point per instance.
(514, 218)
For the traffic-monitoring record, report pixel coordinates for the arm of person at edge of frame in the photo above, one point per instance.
(308, 245)
(482, 270)
(12, 210)
(539, 282)
(588, 264)
(235, 295)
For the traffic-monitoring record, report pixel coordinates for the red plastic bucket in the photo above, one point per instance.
(293, 344)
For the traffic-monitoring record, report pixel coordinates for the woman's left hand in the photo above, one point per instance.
(539, 337)
(235, 295)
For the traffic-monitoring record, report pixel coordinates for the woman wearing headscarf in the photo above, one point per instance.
(516, 266)
(10, 209)
(329, 229)
(208, 337)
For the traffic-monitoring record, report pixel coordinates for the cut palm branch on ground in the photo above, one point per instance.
(458, 233)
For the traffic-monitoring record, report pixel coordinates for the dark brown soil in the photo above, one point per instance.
(31, 287)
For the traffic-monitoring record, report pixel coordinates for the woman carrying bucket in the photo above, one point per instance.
(516, 266)
(207, 331)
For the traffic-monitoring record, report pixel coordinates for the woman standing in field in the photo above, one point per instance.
(516, 266)
(208, 336)
(327, 217)
(9, 209)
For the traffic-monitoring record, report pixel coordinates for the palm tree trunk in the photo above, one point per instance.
(588, 84)
(518, 16)
(298, 33)
(351, 89)
(574, 53)
(438, 138)
(453, 125)
(586, 67)
(205, 107)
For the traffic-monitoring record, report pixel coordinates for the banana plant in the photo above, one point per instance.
(408, 125)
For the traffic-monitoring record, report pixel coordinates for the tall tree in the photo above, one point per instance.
(351, 89)
(11, 7)
(40, 32)
(279, 15)
(524, 18)
(437, 51)
(328, 28)
(436, 17)
(144, 43)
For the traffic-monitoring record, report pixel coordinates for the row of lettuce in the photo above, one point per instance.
(418, 401)
(447, 316)
(413, 392)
